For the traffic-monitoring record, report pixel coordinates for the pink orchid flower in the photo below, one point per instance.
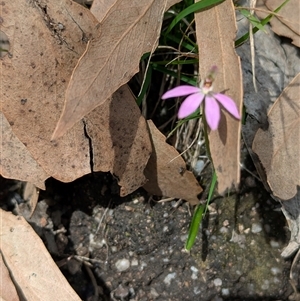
(212, 101)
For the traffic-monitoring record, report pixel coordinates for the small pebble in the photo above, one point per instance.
(225, 291)
(114, 249)
(143, 264)
(274, 244)
(266, 285)
(194, 273)
(275, 271)
(226, 223)
(154, 293)
(256, 228)
(169, 277)
(218, 282)
(122, 264)
(224, 230)
(134, 262)
(121, 292)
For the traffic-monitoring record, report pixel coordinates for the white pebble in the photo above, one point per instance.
(223, 230)
(134, 262)
(169, 277)
(143, 264)
(256, 228)
(194, 273)
(218, 282)
(122, 264)
(194, 269)
(154, 293)
(225, 291)
(266, 285)
(274, 244)
(275, 271)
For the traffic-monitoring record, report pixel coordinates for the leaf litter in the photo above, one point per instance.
(34, 95)
(166, 171)
(287, 22)
(46, 47)
(32, 270)
(216, 32)
(279, 146)
(127, 31)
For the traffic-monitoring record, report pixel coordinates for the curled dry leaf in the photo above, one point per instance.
(8, 290)
(166, 171)
(278, 147)
(287, 22)
(127, 31)
(101, 7)
(47, 39)
(31, 267)
(34, 80)
(16, 161)
(216, 31)
(120, 140)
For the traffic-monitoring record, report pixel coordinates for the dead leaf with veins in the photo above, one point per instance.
(46, 42)
(32, 269)
(166, 171)
(278, 147)
(127, 30)
(287, 22)
(216, 32)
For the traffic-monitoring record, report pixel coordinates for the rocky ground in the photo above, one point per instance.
(113, 248)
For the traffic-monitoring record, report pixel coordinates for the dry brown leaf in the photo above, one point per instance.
(166, 171)
(101, 7)
(120, 140)
(216, 31)
(16, 161)
(34, 80)
(31, 267)
(279, 147)
(31, 195)
(287, 22)
(46, 42)
(8, 291)
(128, 30)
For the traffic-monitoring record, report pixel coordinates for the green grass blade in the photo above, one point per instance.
(194, 227)
(201, 5)
(211, 189)
(145, 86)
(183, 78)
(198, 215)
(263, 22)
(254, 20)
(190, 47)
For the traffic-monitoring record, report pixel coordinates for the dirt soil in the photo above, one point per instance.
(133, 248)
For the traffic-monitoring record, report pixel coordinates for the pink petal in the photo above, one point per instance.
(228, 104)
(190, 105)
(180, 91)
(212, 112)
